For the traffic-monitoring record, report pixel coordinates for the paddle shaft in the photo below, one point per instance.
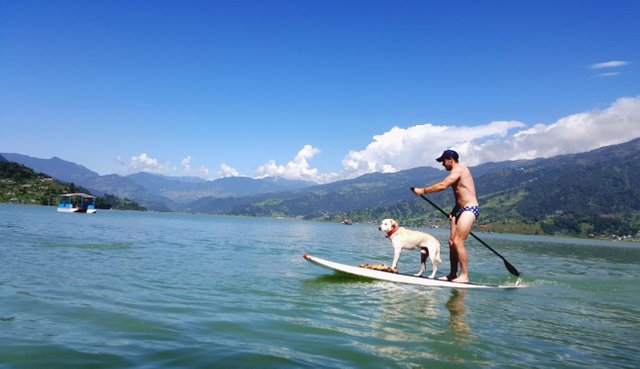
(508, 265)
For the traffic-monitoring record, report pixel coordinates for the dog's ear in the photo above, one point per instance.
(394, 224)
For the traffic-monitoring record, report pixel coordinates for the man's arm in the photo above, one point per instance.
(442, 185)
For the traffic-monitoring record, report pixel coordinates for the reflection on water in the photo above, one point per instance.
(457, 323)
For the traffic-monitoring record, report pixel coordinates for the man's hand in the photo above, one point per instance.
(417, 191)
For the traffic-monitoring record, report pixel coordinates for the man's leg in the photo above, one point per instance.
(453, 254)
(462, 230)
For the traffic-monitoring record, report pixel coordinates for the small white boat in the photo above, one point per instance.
(77, 202)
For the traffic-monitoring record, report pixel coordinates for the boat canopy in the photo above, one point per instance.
(78, 194)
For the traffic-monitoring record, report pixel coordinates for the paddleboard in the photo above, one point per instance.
(396, 277)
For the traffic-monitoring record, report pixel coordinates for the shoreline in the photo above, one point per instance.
(515, 228)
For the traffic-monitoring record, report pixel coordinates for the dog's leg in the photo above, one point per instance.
(423, 262)
(396, 258)
(434, 265)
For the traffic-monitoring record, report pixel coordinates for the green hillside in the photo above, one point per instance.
(21, 185)
(589, 194)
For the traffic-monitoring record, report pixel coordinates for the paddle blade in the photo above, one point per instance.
(511, 269)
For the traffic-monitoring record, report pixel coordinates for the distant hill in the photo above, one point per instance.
(596, 192)
(324, 201)
(156, 192)
(54, 167)
(183, 191)
(69, 172)
(20, 184)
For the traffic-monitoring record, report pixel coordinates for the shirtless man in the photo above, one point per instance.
(463, 215)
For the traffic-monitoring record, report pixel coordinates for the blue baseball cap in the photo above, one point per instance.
(448, 154)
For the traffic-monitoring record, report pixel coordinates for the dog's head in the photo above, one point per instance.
(387, 225)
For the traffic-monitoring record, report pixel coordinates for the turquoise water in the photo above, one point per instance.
(151, 290)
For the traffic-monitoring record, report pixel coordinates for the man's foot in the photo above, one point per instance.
(461, 279)
(447, 278)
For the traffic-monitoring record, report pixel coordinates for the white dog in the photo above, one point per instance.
(405, 239)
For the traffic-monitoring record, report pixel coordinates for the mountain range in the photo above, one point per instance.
(156, 192)
(591, 192)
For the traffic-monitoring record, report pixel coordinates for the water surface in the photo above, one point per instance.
(152, 290)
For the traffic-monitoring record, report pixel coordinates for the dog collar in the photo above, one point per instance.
(391, 232)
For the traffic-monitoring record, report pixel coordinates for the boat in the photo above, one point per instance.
(77, 202)
(346, 221)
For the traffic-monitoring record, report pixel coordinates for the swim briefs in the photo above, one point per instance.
(457, 211)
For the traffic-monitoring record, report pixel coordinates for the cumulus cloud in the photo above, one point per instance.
(401, 149)
(298, 168)
(188, 170)
(145, 163)
(186, 163)
(419, 145)
(572, 134)
(404, 148)
(227, 171)
(140, 163)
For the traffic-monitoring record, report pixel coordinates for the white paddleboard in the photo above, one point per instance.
(396, 277)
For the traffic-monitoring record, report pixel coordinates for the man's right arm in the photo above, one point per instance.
(442, 185)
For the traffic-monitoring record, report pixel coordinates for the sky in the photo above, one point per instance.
(314, 90)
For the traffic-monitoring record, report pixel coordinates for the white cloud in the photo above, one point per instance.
(609, 64)
(144, 163)
(611, 74)
(188, 170)
(572, 134)
(405, 148)
(298, 168)
(141, 163)
(227, 171)
(401, 148)
(419, 145)
(186, 163)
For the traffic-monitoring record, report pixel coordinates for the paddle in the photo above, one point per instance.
(508, 265)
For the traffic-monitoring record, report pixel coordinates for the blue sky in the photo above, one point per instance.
(318, 90)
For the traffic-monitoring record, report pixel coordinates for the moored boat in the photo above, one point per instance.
(77, 202)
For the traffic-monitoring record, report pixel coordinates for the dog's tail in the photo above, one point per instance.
(437, 258)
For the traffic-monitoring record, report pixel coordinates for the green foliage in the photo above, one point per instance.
(20, 184)
(108, 201)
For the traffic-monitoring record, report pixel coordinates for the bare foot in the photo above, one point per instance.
(447, 278)
(461, 279)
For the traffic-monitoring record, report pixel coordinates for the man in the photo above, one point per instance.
(463, 215)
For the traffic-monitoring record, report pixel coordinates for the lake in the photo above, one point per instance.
(164, 290)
